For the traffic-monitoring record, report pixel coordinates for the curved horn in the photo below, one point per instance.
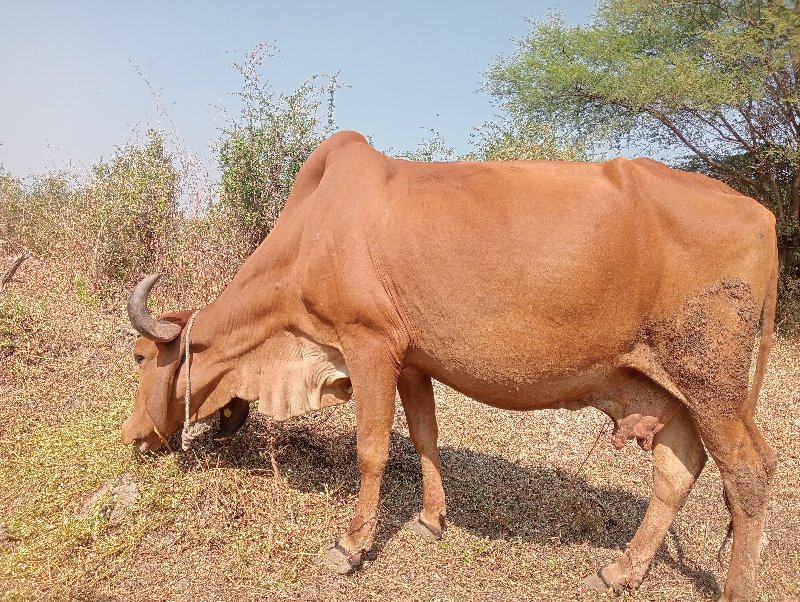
(155, 330)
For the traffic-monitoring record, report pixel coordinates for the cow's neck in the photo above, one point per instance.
(253, 334)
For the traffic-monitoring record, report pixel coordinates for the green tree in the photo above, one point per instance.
(515, 138)
(711, 81)
(261, 152)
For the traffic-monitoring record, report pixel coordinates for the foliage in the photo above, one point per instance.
(116, 227)
(718, 79)
(261, 152)
(10, 205)
(30, 213)
(789, 305)
(515, 138)
(133, 212)
(432, 148)
(505, 140)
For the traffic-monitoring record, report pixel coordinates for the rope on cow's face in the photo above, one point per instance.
(186, 434)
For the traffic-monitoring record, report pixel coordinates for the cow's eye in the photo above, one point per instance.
(138, 358)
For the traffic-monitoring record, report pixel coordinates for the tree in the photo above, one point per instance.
(714, 82)
(261, 152)
(514, 138)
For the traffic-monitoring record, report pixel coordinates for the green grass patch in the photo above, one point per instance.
(47, 476)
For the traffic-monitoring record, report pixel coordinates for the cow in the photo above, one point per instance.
(624, 285)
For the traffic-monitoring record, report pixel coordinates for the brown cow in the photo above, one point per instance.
(625, 285)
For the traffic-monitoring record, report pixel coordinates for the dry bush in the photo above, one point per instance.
(203, 259)
(34, 214)
(789, 305)
(123, 224)
(132, 210)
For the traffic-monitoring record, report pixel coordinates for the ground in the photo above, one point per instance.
(535, 500)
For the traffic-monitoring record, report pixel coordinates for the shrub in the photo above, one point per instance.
(261, 152)
(10, 205)
(432, 148)
(132, 209)
(32, 214)
(789, 303)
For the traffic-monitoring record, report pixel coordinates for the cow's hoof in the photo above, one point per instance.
(426, 531)
(339, 560)
(599, 582)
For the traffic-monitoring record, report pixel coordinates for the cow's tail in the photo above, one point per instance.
(767, 331)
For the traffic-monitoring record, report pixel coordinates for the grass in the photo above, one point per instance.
(82, 518)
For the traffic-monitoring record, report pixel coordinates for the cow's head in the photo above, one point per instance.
(159, 411)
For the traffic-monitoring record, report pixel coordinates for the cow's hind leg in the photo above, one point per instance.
(746, 464)
(678, 459)
(707, 350)
(416, 393)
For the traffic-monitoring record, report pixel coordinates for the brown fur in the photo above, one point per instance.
(623, 285)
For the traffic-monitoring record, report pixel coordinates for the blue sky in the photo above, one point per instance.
(70, 92)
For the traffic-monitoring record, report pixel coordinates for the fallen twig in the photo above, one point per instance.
(602, 431)
(14, 267)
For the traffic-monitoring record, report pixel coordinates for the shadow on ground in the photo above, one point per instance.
(487, 495)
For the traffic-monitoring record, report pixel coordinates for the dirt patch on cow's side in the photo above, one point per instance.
(707, 347)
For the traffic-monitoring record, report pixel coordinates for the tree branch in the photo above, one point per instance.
(13, 269)
(705, 157)
(749, 146)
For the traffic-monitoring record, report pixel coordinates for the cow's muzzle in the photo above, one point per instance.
(143, 445)
(143, 439)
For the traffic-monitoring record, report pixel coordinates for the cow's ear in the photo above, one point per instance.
(168, 362)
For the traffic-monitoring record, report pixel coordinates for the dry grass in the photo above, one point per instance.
(246, 520)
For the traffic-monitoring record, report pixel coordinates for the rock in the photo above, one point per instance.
(125, 494)
(118, 494)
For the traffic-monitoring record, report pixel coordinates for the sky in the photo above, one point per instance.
(80, 79)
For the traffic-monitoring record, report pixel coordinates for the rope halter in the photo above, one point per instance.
(186, 434)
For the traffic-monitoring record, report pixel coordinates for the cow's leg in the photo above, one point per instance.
(708, 352)
(678, 459)
(374, 385)
(747, 465)
(416, 393)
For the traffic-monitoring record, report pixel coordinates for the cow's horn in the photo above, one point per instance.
(142, 321)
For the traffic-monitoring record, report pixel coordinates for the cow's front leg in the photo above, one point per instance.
(416, 393)
(374, 395)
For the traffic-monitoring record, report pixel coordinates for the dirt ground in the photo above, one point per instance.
(533, 504)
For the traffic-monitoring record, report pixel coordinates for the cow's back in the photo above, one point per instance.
(523, 272)
(507, 274)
